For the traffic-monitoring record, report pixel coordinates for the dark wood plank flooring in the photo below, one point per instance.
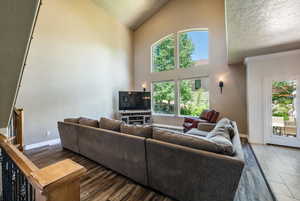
(101, 184)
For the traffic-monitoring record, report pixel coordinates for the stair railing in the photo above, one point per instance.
(23, 181)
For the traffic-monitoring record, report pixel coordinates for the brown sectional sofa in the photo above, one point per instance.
(181, 172)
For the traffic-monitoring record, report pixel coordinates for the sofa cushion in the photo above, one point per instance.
(89, 122)
(110, 124)
(206, 126)
(72, 120)
(225, 145)
(192, 141)
(197, 132)
(137, 130)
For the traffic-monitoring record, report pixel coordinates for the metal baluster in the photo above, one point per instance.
(15, 185)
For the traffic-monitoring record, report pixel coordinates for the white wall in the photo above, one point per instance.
(259, 69)
(181, 15)
(80, 58)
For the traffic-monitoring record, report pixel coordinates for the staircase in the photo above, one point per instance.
(17, 21)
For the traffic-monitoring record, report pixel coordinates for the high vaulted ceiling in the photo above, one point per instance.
(132, 13)
(256, 27)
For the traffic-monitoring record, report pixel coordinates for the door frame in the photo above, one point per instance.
(269, 138)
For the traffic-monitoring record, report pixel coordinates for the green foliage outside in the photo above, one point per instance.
(164, 55)
(191, 102)
(186, 48)
(164, 97)
(282, 99)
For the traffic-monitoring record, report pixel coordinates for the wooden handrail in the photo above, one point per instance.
(25, 165)
(57, 182)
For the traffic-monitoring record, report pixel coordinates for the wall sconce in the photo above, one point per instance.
(221, 85)
(144, 86)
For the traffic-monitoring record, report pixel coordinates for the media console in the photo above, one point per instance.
(136, 117)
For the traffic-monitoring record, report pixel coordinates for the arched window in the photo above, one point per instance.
(181, 50)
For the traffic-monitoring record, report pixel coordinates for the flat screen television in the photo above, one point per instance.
(134, 100)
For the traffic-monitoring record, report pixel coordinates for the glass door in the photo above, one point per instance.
(284, 112)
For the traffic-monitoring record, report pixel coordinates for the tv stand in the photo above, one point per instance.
(136, 117)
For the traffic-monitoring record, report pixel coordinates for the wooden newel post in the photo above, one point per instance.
(59, 182)
(19, 127)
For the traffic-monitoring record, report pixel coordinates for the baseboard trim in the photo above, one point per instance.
(42, 144)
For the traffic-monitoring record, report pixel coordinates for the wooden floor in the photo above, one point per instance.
(101, 184)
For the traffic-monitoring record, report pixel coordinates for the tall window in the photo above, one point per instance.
(184, 49)
(164, 97)
(194, 96)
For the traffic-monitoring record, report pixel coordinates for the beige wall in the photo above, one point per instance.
(16, 19)
(80, 58)
(3, 131)
(180, 15)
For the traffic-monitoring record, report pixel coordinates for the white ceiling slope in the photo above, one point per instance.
(256, 27)
(132, 13)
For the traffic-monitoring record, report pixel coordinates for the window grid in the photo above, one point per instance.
(177, 101)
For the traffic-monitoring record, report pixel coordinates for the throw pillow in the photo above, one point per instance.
(88, 122)
(224, 127)
(110, 124)
(137, 130)
(214, 117)
(207, 114)
(222, 135)
(72, 120)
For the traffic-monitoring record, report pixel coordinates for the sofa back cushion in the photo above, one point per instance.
(72, 120)
(110, 124)
(191, 141)
(216, 144)
(137, 130)
(89, 122)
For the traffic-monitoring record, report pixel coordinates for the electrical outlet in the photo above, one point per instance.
(48, 133)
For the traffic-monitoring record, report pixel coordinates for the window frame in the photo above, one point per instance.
(177, 62)
(154, 44)
(177, 77)
(175, 97)
(179, 95)
(176, 49)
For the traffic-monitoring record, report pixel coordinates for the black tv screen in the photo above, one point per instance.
(134, 100)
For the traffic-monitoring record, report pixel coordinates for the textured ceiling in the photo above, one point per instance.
(256, 27)
(132, 13)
